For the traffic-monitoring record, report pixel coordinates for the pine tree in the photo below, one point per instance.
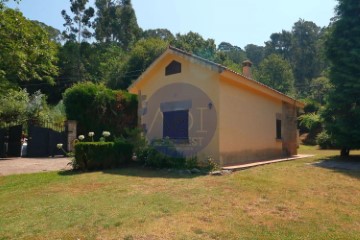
(342, 114)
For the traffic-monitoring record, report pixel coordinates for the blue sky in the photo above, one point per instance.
(238, 22)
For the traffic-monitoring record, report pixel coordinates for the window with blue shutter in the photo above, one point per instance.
(176, 125)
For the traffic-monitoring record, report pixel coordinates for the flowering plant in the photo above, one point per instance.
(106, 133)
(81, 137)
(91, 134)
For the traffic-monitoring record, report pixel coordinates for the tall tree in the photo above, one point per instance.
(26, 53)
(230, 56)
(194, 43)
(233, 53)
(129, 32)
(78, 27)
(276, 72)
(53, 33)
(255, 53)
(161, 33)
(305, 54)
(143, 53)
(319, 89)
(280, 43)
(342, 114)
(302, 47)
(116, 22)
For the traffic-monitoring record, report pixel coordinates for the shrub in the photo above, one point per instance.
(123, 150)
(152, 157)
(324, 141)
(192, 162)
(312, 124)
(96, 108)
(160, 154)
(101, 155)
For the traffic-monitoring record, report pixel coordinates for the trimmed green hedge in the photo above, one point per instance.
(97, 108)
(102, 155)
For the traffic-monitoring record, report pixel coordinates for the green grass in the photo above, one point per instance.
(289, 200)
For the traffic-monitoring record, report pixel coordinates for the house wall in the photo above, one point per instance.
(151, 88)
(247, 124)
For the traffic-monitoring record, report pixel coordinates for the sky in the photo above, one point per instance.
(239, 22)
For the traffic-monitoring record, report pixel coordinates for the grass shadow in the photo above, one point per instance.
(346, 165)
(136, 170)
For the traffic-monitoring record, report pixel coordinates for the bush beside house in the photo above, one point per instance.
(96, 108)
(102, 155)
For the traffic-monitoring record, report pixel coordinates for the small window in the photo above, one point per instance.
(173, 68)
(176, 125)
(278, 129)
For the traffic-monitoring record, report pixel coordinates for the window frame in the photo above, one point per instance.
(180, 135)
(278, 129)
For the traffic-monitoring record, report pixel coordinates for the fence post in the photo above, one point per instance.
(71, 134)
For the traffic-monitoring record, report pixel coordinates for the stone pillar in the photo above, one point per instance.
(71, 134)
(289, 129)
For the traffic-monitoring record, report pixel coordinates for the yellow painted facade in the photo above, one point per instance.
(248, 133)
(245, 111)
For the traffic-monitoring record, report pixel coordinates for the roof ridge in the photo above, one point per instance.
(227, 69)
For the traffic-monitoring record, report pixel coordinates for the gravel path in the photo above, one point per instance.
(9, 166)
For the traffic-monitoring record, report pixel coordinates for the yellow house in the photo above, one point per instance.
(208, 110)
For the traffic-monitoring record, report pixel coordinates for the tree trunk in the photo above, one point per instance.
(344, 152)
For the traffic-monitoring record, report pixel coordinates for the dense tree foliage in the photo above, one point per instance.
(302, 47)
(319, 89)
(342, 114)
(105, 45)
(18, 106)
(255, 53)
(140, 57)
(194, 43)
(161, 33)
(97, 108)
(26, 53)
(276, 72)
(53, 33)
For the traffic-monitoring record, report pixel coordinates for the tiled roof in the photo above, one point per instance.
(218, 66)
(226, 69)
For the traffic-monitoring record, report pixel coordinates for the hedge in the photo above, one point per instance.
(97, 108)
(102, 155)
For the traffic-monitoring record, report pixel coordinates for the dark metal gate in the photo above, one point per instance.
(3, 142)
(14, 148)
(43, 140)
(10, 141)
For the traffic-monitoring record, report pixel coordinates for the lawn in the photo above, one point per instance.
(288, 200)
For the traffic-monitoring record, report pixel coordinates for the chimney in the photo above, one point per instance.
(247, 68)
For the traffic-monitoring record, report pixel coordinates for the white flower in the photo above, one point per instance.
(91, 134)
(59, 145)
(106, 133)
(81, 137)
